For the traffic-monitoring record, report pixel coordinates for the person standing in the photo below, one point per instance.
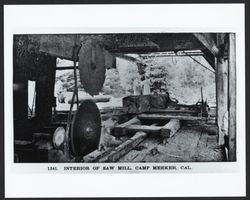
(146, 86)
(136, 87)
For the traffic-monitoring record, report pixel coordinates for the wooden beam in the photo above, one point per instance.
(126, 57)
(66, 68)
(144, 128)
(209, 57)
(96, 99)
(170, 128)
(124, 148)
(171, 111)
(96, 155)
(169, 117)
(232, 98)
(176, 41)
(119, 130)
(208, 41)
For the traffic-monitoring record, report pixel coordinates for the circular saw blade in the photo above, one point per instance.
(86, 129)
(92, 67)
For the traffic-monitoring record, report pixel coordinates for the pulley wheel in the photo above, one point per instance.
(92, 67)
(86, 129)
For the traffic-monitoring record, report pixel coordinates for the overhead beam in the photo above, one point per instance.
(209, 57)
(176, 41)
(208, 41)
(126, 57)
(62, 45)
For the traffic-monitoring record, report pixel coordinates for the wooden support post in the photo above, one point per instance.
(221, 86)
(221, 94)
(45, 90)
(232, 98)
(170, 128)
(119, 130)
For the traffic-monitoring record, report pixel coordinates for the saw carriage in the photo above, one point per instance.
(148, 126)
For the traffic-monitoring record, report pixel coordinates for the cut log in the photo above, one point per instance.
(124, 148)
(119, 130)
(168, 117)
(159, 101)
(170, 128)
(144, 103)
(136, 104)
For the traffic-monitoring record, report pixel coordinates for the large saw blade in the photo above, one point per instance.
(92, 67)
(86, 129)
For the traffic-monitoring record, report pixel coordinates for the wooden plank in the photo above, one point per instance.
(96, 99)
(232, 98)
(148, 143)
(144, 128)
(124, 148)
(157, 110)
(181, 147)
(96, 155)
(170, 129)
(119, 130)
(168, 117)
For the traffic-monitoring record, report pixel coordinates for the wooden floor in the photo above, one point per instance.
(189, 144)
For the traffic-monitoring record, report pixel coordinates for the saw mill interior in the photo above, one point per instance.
(127, 97)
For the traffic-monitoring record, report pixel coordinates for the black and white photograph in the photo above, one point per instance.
(130, 100)
(134, 97)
